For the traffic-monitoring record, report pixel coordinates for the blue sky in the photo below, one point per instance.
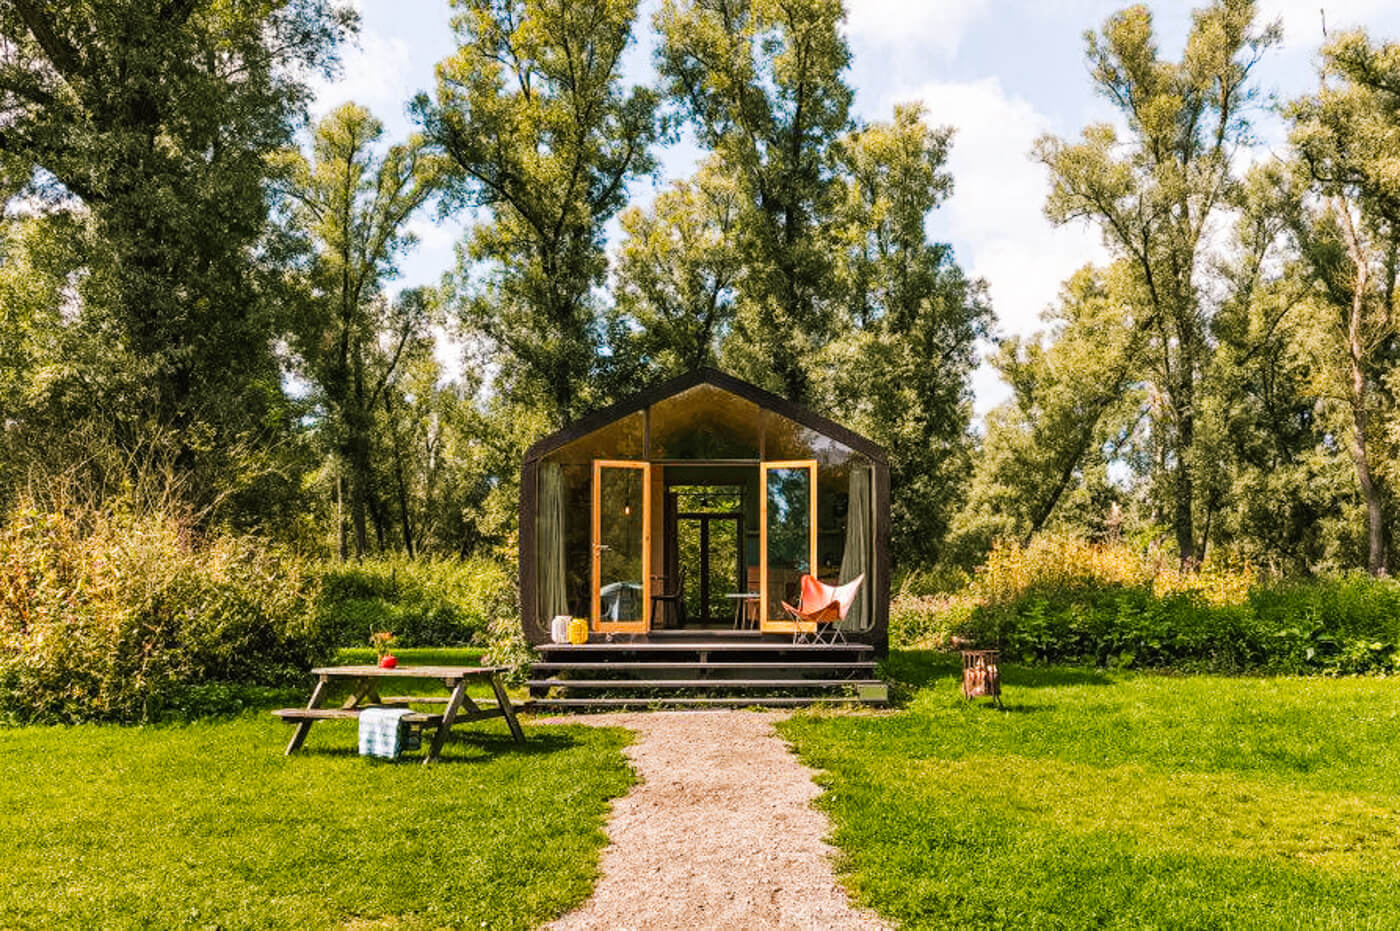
(1000, 71)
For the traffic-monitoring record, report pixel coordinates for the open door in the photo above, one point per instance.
(621, 546)
(787, 537)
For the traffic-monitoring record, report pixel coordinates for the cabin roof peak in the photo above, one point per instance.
(766, 400)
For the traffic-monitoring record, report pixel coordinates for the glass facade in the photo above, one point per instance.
(704, 451)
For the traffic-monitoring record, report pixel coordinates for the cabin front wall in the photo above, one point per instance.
(686, 442)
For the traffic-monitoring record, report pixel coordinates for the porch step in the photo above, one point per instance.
(581, 704)
(725, 670)
(862, 665)
(680, 633)
(699, 683)
(718, 646)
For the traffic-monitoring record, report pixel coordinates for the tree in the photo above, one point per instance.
(1345, 225)
(1155, 194)
(149, 122)
(909, 323)
(677, 272)
(1075, 405)
(761, 82)
(353, 206)
(532, 113)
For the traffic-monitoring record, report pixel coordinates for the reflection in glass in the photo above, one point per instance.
(704, 422)
(789, 535)
(620, 568)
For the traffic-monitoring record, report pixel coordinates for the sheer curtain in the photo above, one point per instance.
(553, 597)
(856, 558)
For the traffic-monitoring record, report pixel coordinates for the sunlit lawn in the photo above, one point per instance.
(208, 825)
(1128, 800)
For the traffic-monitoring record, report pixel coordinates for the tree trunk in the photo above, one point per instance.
(1360, 417)
(398, 476)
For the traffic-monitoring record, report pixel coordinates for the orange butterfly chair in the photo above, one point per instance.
(823, 608)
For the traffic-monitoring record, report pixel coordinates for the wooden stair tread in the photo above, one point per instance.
(691, 664)
(717, 647)
(696, 683)
(732, 702)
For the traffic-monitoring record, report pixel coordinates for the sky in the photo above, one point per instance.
(1001, 72)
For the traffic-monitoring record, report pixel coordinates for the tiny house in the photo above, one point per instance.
(689, 512)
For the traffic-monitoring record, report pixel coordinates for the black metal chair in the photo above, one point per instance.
(675, 597)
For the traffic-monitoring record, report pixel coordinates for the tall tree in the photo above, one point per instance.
(1074, 405)
(532, 112)
(908, 324)
(1155, 192)
(1346, 227)
(677, 271)
(762, 83)
(150, 122)
(353, 204)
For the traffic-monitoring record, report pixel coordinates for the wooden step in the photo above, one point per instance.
(628, 684)
(710, 633)
(568, 649)
(685, 702)
(860, 665)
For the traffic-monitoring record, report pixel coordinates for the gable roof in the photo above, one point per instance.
(766, 400)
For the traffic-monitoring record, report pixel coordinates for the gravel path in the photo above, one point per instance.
(719, 833)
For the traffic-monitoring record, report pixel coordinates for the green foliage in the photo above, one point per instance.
(1064, 600)
(1154, 193)
(352, 204)
(1110, 799)
(677, 272)
(1073, 394)
(208, 825)
(543, 134)
(139, 132)
(762, 84)
(124, 617)
(423, 602)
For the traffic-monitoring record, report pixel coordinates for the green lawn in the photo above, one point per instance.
(208, 825)
(1118, 799)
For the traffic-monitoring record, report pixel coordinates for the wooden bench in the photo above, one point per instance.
(460, 707)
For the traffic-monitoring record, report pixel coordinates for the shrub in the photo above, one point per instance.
(425, 602)
(110, 616)
(1063, 599)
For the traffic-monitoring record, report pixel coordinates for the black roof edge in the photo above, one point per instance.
(722, 380)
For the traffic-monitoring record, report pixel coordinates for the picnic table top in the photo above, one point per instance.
(409, 672)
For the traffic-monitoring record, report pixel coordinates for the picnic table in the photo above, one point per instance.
(364, 692)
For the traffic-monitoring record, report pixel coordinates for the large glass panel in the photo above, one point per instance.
(788, 534)
(621, 545)
(784, 438)
(704, 422)
(621, 439)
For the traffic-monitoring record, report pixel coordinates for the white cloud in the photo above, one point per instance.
(936, 23)
(1302, 19)
(374, 73)
(994, 218)
(434, 234)
(995, 215)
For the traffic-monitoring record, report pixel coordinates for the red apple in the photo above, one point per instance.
(389, 661)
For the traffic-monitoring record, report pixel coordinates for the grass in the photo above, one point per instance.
(208, 825)
(1117, 799)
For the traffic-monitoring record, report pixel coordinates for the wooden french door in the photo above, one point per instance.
(621, 546)
(787, 537)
